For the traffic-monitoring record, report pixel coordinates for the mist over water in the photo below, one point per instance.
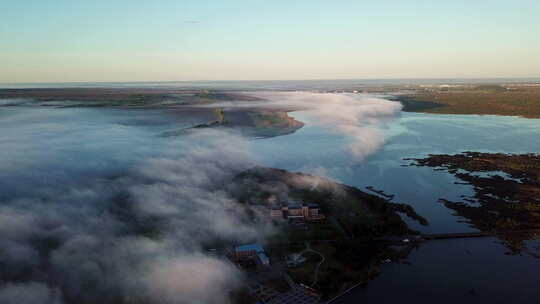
(360, 117)
(318, 150)
(96, 207)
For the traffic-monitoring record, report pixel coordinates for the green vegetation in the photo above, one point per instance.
(220, 114)
(347, 263)
(136, 97)
(514, 100)
(313, 231)
(304, 272)
(243, 296)
(509, 206)
(352, 238)
(360, 214)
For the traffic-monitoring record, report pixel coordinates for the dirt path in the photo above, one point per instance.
(316, 271)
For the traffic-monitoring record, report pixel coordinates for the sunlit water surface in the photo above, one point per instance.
(44, 147)
(321, 151)
(448, 271)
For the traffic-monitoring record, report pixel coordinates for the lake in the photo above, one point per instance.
(321, 151)
(84, 144)
(443, 271)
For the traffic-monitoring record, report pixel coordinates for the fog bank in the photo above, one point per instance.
(361, 117)
(135, 236)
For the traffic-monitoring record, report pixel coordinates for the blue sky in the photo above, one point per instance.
(49, 41)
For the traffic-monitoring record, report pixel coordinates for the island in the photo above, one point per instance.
(214, 108)
(506, 202)
(329, 236)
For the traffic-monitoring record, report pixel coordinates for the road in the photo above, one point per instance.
(316, 271)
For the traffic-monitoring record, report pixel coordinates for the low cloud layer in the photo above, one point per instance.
(139, 235)
(96, 208)
(359, 116)
(29, 293)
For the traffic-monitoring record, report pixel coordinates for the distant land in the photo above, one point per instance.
(506, 202)
(512, 97)
(255, 120)
(487, 99)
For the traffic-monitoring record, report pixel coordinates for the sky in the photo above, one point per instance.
(167, 40)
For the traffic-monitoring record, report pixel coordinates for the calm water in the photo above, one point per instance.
(48, 148)
(450, 271)
(455, 271)
(320, 151)
(72, 143)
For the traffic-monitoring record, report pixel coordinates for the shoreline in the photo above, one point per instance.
(501, 100)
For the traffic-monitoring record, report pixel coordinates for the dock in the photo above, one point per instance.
(442, 236)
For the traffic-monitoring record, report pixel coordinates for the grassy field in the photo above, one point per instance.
(313, 231)
(346, 263)
(513, 100)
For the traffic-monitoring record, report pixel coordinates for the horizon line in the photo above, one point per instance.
(281, 80)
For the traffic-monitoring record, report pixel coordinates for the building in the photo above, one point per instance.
(309, 211)
(276, 212)
(246, 251)
(294, 211)
(252, 251)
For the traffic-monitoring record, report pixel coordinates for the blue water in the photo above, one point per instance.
(322, 151)
(82, 142)
(450, 271)
(50, 148)
(455, 271)
(71, 143)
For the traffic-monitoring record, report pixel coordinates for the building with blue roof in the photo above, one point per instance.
(252, 251)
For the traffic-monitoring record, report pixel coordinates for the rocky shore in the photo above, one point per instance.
(507, 192)
(360, 230)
